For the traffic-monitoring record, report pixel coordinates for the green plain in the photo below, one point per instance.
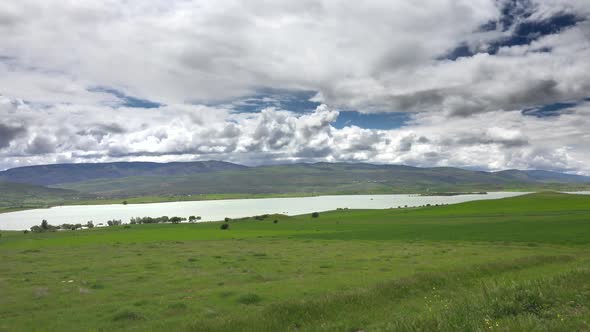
(516, 264)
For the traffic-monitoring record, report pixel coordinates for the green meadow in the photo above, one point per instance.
(516, 264)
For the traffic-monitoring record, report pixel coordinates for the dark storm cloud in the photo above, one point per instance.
(41, 145)
(8, 134)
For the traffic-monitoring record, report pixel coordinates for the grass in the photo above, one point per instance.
(517, 264)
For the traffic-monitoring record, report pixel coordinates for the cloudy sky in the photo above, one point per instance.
(481, 84)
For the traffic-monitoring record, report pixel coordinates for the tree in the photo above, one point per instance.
(90, 224)
(192, 219)
(44, 225)
(227, 219)
(315, 214)
(124, 202)
(176, 220)
(198, 217)
(114, 222)
(224, 226)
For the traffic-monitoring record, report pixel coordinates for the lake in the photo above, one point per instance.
(232, 208)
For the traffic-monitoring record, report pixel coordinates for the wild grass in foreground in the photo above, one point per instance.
(516, 264)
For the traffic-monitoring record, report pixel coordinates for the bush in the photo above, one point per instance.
(315, 214)
(127, 315)
(224, 226)
(90, 224)
(44, 227)
(124, 202)
(275, 221)
(227, 219)
(177, 220)
(249, 299)
(26, 231)
(114, 222)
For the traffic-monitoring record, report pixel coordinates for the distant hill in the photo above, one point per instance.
(68, 173)
(28, 185)
(28, 195)
(543, 176)
(336, 178)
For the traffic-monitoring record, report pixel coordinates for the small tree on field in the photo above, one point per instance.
(227, 219)
(224, 226)
(315, 214)
(44, 225)
(192, 219)
(90, 224)
(114, 222)
(176, 220)
(198, 217)
(124, 202)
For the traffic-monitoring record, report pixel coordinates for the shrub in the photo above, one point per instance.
(44, 227)
(224, 226)
(275, 221)
(249, 299)
(127, 315)
(177, 220)
(315, 214)
(227, 219)
(90, 224)
(26, 231)
(114, 222)
(124, 202)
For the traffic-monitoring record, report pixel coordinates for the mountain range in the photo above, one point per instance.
(48, 184)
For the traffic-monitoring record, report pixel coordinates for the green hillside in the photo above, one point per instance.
(67, 173)
(315, 178)
(516, 264)
(22, 196)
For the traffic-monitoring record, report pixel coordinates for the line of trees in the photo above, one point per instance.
(46, 227)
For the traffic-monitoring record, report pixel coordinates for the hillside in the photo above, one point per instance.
(67, 173)
(19, 195)
(543, 176)
(335, 178)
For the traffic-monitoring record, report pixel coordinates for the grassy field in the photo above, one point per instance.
(517, 264)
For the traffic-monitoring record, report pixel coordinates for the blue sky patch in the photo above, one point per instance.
(372, 120)
(515, 15)
(550, 110)
(292, 100)
(126, 100)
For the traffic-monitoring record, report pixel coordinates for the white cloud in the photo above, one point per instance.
(493, 140)
(373, 56)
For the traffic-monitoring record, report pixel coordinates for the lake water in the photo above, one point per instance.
(232, 208)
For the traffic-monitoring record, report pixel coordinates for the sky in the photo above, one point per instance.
(478, 84)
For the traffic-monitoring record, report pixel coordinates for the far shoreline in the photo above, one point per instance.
(217, 197)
